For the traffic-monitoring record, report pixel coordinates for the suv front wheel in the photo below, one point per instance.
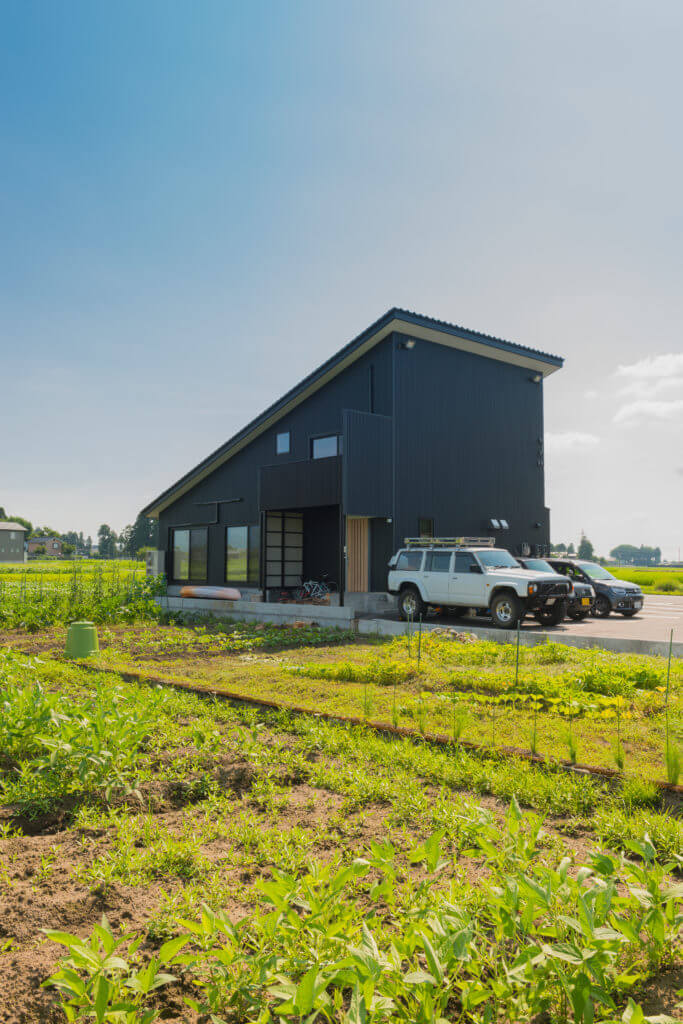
(410, 604)
(506, 610)
(602, 607)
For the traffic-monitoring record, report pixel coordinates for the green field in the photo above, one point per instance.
(653, 581)
(60, 568)
(271, 865)
(37, 594)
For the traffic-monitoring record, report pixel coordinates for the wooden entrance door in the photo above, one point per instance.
(357, 555)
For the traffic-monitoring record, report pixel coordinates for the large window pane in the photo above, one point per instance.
(198, 555)
(181, 554)
(236, 554)
(242, 554)
(325, 447)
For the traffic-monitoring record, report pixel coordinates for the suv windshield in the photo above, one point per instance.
(595, 571)
(538, 565)
(497, 559)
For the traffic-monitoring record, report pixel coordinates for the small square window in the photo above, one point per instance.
(282, 443)
(425, 527)
(326, 447)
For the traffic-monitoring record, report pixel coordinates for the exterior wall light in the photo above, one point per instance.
(410, 344)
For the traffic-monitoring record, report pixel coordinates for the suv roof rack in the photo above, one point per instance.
(449, 542)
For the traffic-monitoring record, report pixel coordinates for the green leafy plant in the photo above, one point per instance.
(97, 983)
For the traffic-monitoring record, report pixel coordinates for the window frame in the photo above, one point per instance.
(253, 555)
(326, 437)
(288, 449)
(189, 530)
(433, 555)
(461, 555)
(405, 554)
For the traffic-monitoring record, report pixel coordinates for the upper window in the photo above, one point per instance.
(326, 447)
(409, 560)
(242, 554)
(438, 561)
(282, 443)
(190, 551)
(425, 527)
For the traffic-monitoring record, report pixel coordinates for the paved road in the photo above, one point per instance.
(656, 620)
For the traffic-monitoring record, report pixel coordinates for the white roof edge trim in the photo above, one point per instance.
(432, 334)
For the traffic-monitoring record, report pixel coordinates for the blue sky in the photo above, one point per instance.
(201, 202)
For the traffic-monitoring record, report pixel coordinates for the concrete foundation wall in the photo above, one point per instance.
(254, 611)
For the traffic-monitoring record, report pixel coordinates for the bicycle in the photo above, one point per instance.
(315, 590)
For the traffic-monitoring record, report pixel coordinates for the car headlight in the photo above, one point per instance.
(532, 588)
(619, 591)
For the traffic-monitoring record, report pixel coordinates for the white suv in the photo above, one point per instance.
(460, 576)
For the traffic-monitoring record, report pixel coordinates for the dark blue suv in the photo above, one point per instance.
(611, 594)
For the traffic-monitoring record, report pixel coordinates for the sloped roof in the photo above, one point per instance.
(395, 319)
(6, 525)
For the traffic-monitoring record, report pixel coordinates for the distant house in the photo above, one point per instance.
(12, 542)
(52, 545)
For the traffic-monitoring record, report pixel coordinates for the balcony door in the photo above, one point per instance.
(357, 554)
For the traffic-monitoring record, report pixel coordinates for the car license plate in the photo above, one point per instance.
(637, 604)
(585, 600)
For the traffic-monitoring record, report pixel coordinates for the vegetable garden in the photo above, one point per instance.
(38, 594)
(175, 855)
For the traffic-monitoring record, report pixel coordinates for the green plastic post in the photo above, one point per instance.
(81, 640)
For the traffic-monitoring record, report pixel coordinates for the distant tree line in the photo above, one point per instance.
(133, 540)
(633, 555)
(129, 543)
(626, 553)
(586, 549)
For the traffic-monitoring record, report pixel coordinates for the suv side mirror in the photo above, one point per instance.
(475, 568)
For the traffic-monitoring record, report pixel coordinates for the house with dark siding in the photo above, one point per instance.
(415, 427)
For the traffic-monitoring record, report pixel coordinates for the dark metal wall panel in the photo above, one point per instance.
(322, 413)
(368, 472)
(301, 484)
(469, 445)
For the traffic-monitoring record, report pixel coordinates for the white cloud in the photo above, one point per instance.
(648, 386)
(636, 412)
(591, 394)
(647, 379)
(652, 367)
(571, 441)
